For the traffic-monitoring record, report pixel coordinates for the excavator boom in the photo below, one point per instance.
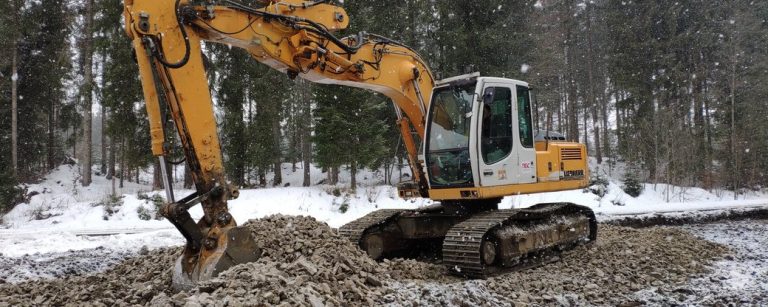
(293, 36)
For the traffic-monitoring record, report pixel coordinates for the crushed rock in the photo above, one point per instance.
(739, 279)
(608, 272)
(306, 263)
(59, 265)
(134, 282)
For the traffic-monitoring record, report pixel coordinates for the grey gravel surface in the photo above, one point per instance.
(59, 265)
(739, 279)
(306, 263)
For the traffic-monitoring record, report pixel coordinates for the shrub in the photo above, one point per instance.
(632, 185)
(598, 184)
(344, 206)
(157, 202)
(111, 205)
(144, 213)
(10, 193)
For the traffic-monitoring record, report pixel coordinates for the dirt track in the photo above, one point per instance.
(306, 263)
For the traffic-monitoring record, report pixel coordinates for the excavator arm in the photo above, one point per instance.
(293, 36)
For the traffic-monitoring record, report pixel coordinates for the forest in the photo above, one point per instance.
(675, 90)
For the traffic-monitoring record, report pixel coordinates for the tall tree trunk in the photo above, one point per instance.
(187, 177)
(619, 122)
(103, 139)
(122, 161)
(51, 139)
(734, 154)
(335, 175)
(278, 180)
(262, 177)
(592, 91)
(604, 112)
(14, 110)
(112, 158)
(157, 175)
(353, 176)
(87, 92)
(306, 137)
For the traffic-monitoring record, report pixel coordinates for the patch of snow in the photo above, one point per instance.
(65, 216)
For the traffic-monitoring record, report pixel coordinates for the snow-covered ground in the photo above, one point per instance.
(741, 277)
(65, 216)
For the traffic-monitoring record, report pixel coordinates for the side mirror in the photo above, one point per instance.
(488, 95)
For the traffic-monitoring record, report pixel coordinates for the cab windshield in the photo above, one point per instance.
(448, 145)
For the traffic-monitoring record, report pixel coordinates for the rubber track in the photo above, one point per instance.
(354, 230)
(461, 247)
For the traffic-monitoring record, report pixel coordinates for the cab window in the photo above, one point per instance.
(496, 135)
(524, 116)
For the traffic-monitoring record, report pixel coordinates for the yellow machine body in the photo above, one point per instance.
(295, 37)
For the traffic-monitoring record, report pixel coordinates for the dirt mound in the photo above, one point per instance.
(305, 262)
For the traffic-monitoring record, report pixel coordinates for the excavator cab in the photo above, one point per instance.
(480, 134)
(480, 143)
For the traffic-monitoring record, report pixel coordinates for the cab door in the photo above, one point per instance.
(496, 142)
(525, 171)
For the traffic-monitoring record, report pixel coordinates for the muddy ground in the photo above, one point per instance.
(306, 263)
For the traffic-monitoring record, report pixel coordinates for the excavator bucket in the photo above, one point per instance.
(234, 246)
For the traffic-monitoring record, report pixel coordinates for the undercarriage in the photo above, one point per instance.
(474, 239)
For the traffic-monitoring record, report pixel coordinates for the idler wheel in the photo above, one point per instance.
(488, 251)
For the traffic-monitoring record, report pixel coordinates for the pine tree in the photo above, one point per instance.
(86, 91)
(231, 95)
(126, 127)
(43, 66)
(351, 129)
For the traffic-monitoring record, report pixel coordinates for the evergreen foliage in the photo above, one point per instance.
(121, 94)
(676, 88)
(631, 183)
(44, 66)
(10, 193)
(351, 127)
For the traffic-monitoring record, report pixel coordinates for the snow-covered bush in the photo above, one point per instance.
(144, 213)
(598, 184)
(111, 204)
(632, 185)
(155, 200)
(344, 206)
(10, 195)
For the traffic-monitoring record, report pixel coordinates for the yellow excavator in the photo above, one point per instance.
(470, 139)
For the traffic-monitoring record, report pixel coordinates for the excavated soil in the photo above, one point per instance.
(306, 263)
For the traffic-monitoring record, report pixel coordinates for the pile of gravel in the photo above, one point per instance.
(305, 262)
(135, 281)
(59, 265)
(609, 272)
(739, 279)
